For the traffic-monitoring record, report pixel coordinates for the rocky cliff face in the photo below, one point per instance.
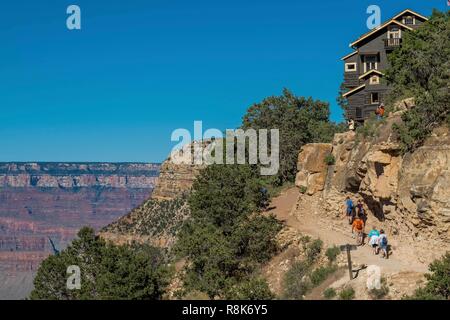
(408, 195)
(158, 219)
(42, 200)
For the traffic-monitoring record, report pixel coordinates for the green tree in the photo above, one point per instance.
(299, 120)
(420, 68)
(107, 271)
(438, 281)
(226, 237)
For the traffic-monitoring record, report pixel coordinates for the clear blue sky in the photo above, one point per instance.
(137, 70)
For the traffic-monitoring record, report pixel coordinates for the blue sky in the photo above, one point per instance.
(115, 90)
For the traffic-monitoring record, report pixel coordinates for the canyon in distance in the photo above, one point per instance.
(43, 201)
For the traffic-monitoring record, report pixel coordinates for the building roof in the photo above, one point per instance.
(370, 72)
(353, 90)
(411, 12)
(349, 55)
(381, 27)
(364, 36)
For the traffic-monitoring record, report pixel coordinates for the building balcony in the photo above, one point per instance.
(392, 43)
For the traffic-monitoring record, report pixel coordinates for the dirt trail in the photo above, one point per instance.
(298, 211)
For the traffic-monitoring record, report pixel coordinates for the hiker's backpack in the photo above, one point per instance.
(383, 241)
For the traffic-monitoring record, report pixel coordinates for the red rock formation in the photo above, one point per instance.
(42, 200)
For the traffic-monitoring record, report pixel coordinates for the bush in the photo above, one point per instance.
(381, 293)
(438, 285)
(369, 129)
(329, 293)
(313, 250)
(251, 289)
(320, 274)
(332, 253)
(303, 189)
(330, 160)
(347, 294)
(295, 281)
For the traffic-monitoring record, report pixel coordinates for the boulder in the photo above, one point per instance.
(312, 167)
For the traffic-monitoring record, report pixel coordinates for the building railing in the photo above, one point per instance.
(392, 42)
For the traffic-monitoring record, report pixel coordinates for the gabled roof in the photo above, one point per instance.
(410, 12)
(384, 25)
(353, 90)
(349, 55)
(370, 72)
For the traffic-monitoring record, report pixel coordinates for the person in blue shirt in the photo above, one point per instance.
(349, 209)
(373, 239)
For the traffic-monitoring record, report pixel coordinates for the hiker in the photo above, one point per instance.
(360, 209)
(380, 111)
(373, 236)
(358, 227)
(383, 244)
(351, 124)
(349, 209)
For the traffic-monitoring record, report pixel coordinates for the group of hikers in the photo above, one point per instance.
(379, 112)
(357, 218)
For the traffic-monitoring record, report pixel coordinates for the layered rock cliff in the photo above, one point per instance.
(158, 220)
(39, 201)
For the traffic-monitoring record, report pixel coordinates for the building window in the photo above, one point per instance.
(350, 67)
(374, 80)
(370, 63)
(374, 97)
(409, 20)
(394, 32)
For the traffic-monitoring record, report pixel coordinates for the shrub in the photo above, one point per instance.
(303, 189)
(329, 293)
(380, 293)
(320, 274)
(369, 129)
(330, 160)
(295, 281)
(313, 250)
(332, 253)
(347, 294)
(251, 289)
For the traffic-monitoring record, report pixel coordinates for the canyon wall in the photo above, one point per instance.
(39, 201)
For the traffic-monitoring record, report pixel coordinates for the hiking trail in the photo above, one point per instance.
(300, 212)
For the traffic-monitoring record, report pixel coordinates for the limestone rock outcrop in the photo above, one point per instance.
(312, 167)
(158, 219)
(178, 172)
(408, 195)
